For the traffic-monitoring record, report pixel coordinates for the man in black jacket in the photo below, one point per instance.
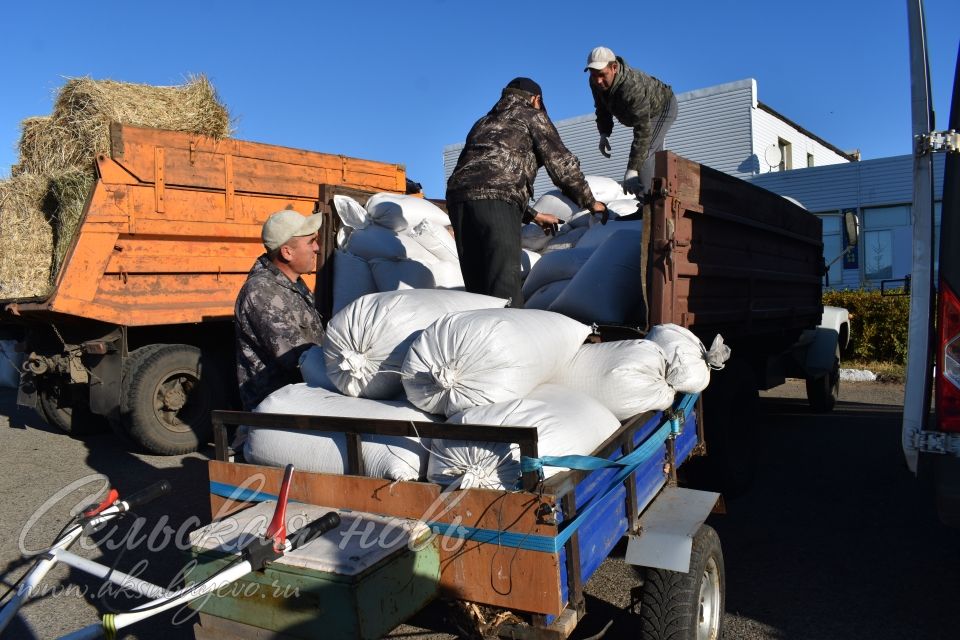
(489, 191)
(639, 101)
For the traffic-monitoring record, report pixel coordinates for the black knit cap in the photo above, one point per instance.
(525, 84)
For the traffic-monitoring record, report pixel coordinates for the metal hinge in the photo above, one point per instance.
(937, 442)
(934, 141)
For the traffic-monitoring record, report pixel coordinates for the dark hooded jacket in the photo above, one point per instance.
(504, 150)
(635, 99)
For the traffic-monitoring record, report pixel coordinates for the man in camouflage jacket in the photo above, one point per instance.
(276, 319)
(489, 191)
(639, 101)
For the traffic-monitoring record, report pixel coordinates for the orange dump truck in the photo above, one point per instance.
(137, 332)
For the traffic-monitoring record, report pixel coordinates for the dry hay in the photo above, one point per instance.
(26, 237)
(42, 203)
(79, 128)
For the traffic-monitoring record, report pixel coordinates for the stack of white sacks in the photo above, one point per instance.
(403, 242)
(447, 355)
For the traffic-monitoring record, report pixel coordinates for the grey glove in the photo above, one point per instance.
(631, 182)
(604, 146)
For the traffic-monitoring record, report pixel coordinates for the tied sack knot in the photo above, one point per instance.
(444, 377)
(718, 354)
(354, 363)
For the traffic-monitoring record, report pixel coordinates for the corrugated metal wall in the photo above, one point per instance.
(868, 183)
(768, 129)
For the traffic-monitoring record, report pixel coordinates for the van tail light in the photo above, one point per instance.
(948, 361)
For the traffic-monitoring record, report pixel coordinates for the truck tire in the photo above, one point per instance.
(823, 392)
(67, 407)
(168, 393)
(686, 606)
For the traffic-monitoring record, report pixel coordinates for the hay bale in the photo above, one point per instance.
(79, 128)
(26, 243)
(45, 146)
(68, 193)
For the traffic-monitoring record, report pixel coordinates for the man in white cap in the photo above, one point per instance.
(276, 317)
(638, 101)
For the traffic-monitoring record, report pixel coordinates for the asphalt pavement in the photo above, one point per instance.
(836, 540)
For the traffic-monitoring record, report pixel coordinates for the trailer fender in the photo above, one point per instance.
(821, 352)
(665, 531)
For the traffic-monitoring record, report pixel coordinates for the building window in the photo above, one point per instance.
(887, 242)
(833, 246)
(786, 151)
(809, 160)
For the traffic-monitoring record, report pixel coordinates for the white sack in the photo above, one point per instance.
(533, 238)
(393, 274)
(597, 234)
(435, 239)
(447, 275)
(399, 212)
(554, 202)
(606, 289)
(365, 344)
(378, 242)
(352, 214)
(605, 189)
(543, 297)
(480, 357)
(393, 458)
(625, 376)
(351, 279)
(566, 238)
(567, 421)
(553, 266)
(527, 260)
(313, 368)
(688, 362)
(624, 207)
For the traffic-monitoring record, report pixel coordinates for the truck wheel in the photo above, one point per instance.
(168, 394)
(823, 392)
(67, 407)
(686, 606)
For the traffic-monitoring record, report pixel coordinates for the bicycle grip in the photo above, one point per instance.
(149, 494)
(315, 529)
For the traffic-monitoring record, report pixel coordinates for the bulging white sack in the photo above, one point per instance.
(533, 238)
(377, 242)
(567, 422)
(597, 234)
(365, 344)
(555, 203)
(527, 260)
(351, 213)
(625, 376)
(553, 266)
(606, 289)
(480, 357)
(624, 207)
(393, 458)
(313, 368)
(435, 239)
(351, 279)
(393, 274)
(399, 212)
(688, 361)
(543, 297)
(605, 189)
(566, 238)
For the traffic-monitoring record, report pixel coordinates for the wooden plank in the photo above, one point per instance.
(180, 264)
(84, 265)
(208, 207)
(487, 573)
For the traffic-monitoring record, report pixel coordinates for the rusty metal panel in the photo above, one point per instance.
(729, 257)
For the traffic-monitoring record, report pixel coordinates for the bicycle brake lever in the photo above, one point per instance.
(112, 496)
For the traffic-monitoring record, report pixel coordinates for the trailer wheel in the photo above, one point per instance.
(686, 606)
(67, 407)
(168, 393)
(823, 392)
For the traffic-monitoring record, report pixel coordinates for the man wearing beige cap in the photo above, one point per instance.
(276, 318)
(638, 101)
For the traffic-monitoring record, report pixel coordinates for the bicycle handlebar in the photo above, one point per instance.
(149, 494)
(315, 529)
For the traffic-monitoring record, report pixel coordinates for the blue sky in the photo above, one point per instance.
(397, 81)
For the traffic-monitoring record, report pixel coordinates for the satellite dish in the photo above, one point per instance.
(773, 156)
